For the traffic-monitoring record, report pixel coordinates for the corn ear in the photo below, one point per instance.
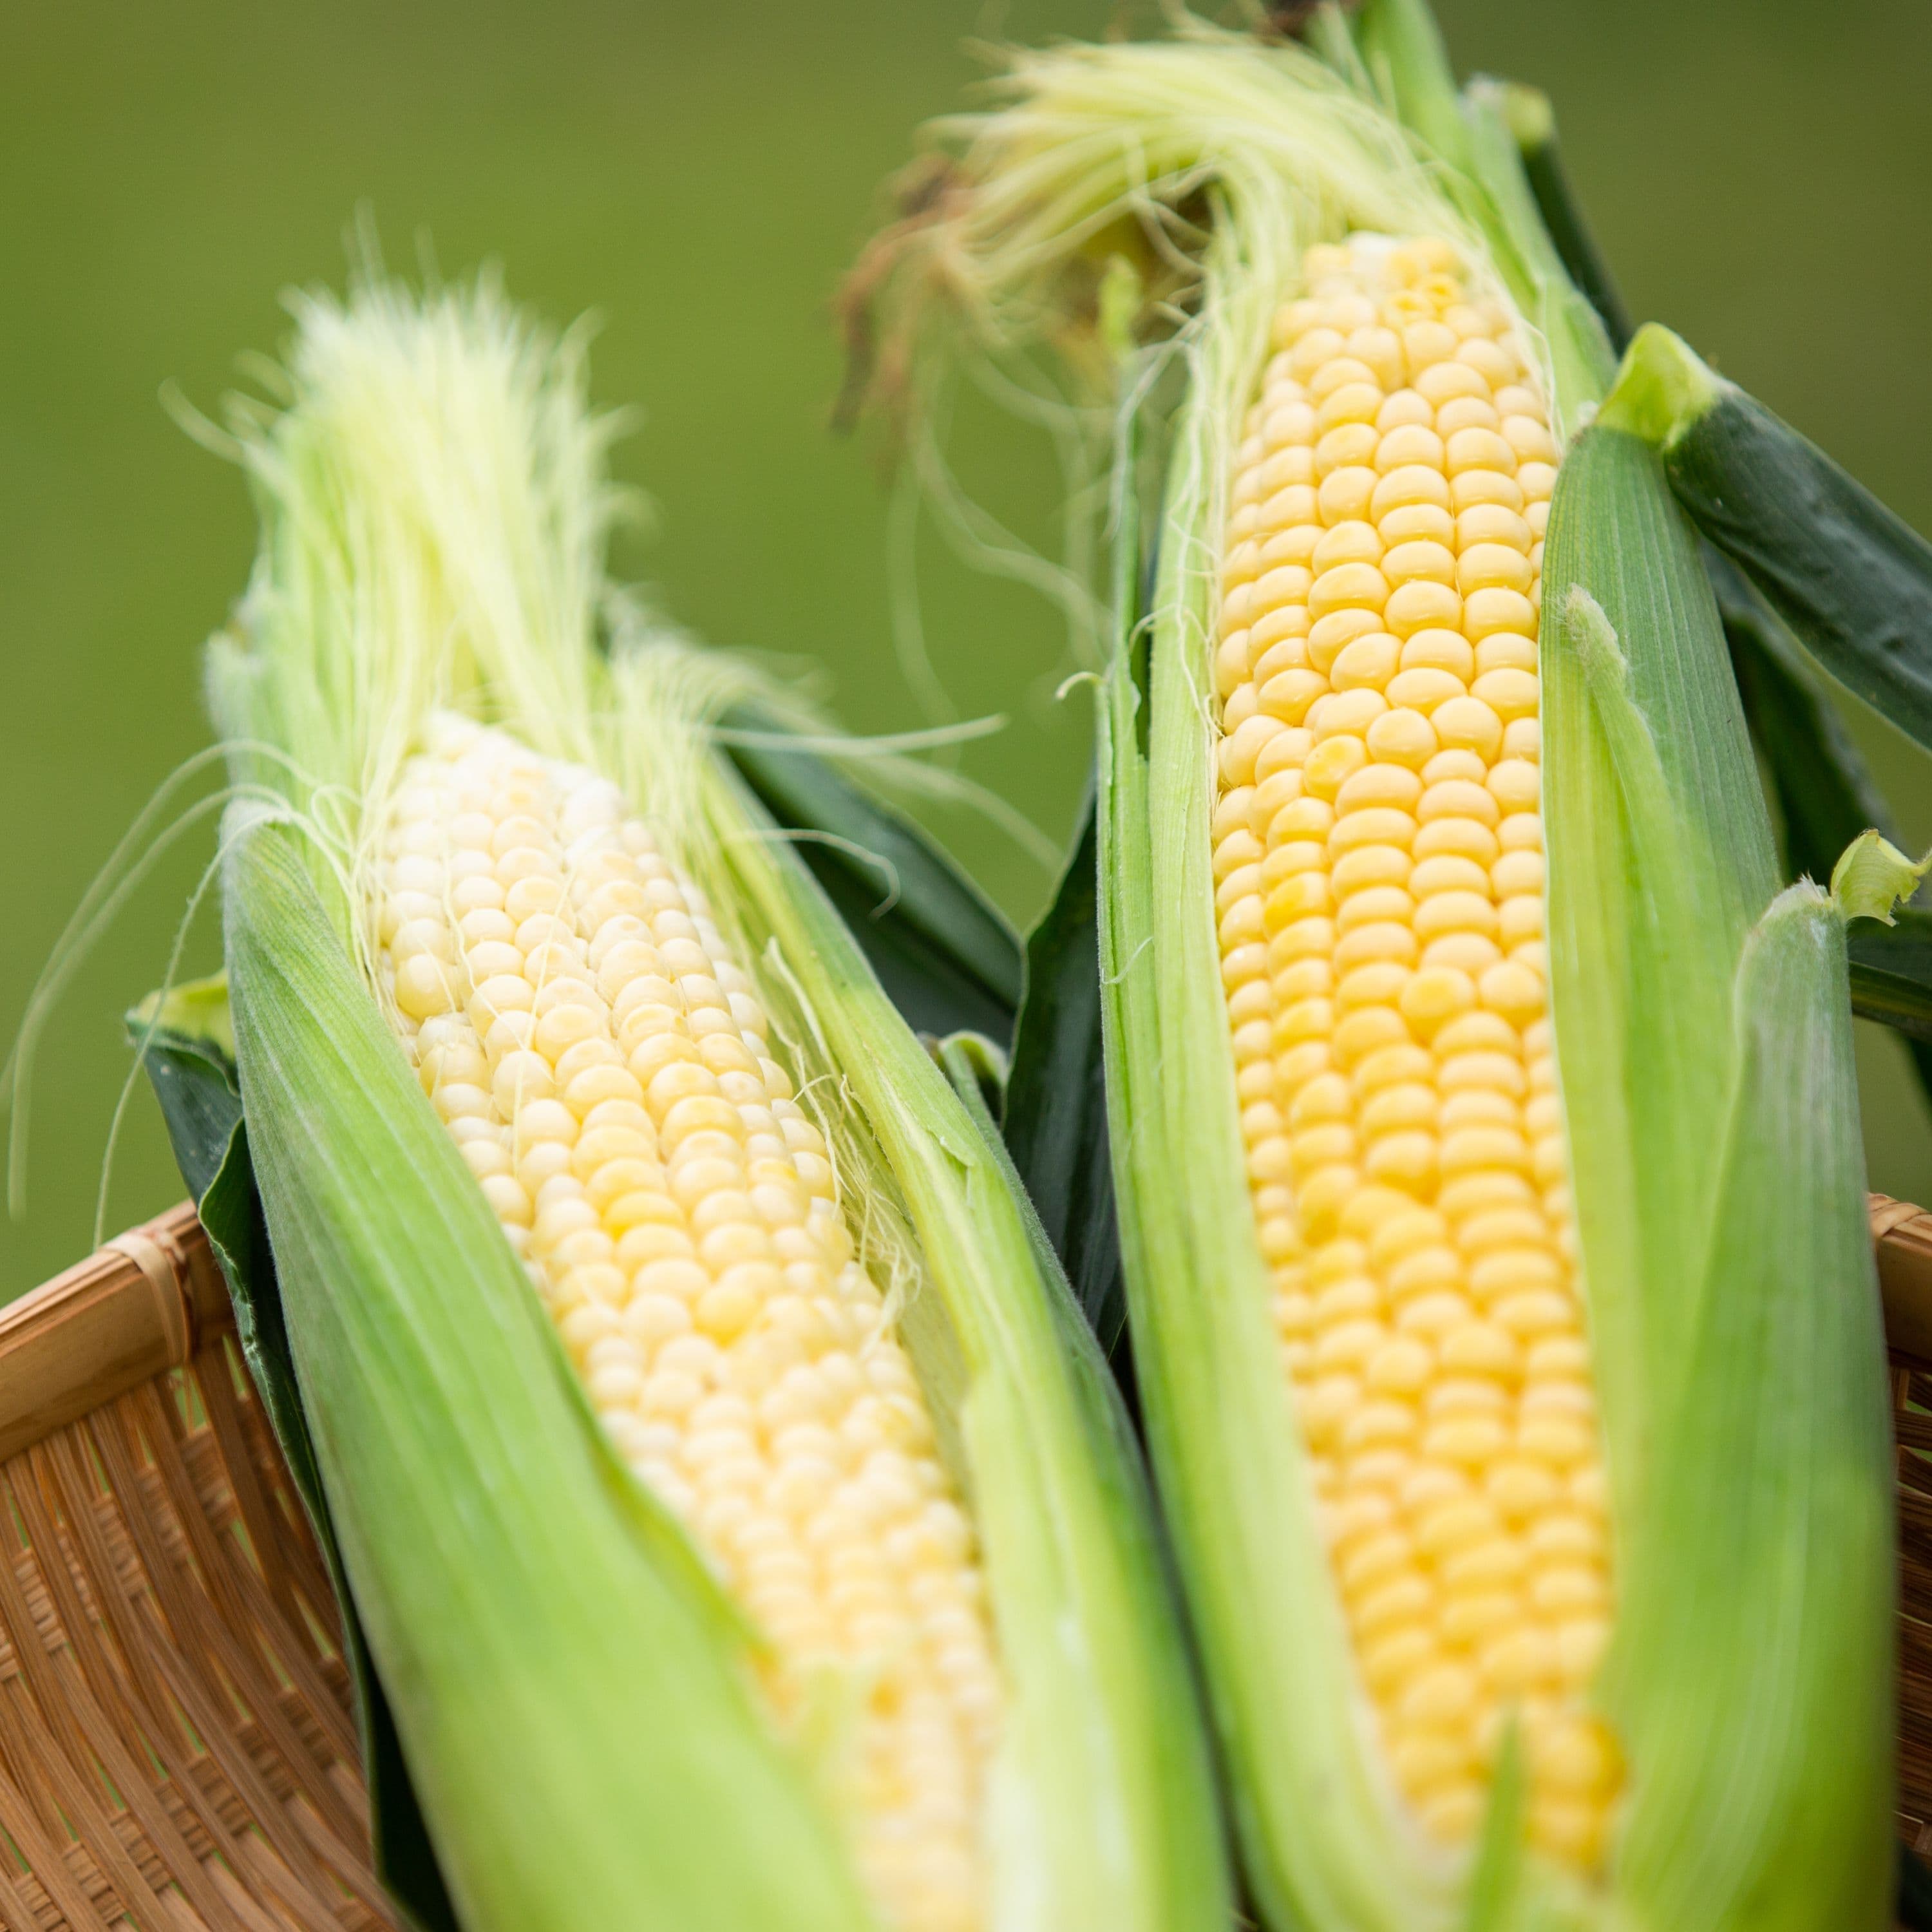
(428, 593)
(1101, 1812)
(1672, 970)
(429, 1380)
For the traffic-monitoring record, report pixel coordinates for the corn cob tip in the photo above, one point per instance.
(1663, 387)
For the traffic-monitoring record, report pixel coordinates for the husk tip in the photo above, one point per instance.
(1662, 388)
(1872, 876)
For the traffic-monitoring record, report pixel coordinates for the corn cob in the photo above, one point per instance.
(1379, 865)
(648, 1393)
(605, 1068)
(1448, 1283)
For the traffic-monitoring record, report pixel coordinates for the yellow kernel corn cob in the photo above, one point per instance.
(575, 1017)
(1379, 866)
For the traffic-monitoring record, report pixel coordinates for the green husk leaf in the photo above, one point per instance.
(1660, 859)
(186, 1038)
(1055, 1119)
(1102, 1791)
(1527, 113)
(942, 949)
(1402, 47)
(421, 1353)
(1495, 1879)
(1714, 1141)
(1755, 1658)
(1852, 580)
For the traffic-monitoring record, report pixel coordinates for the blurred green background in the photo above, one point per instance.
(1758, 171)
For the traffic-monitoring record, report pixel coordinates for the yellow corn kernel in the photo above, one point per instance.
(675, 1210)
(1434, 1334)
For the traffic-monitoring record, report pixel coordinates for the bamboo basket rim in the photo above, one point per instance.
(177, 1748)
(178, 1744)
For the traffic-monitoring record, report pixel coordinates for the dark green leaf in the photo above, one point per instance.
(1915, 1893)
(1892, 972)
(1853, 581)
(1534, 126)
(1056, 1113)
(194, 1080)
(948, 961)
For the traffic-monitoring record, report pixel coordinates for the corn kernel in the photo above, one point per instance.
(1399, 1108)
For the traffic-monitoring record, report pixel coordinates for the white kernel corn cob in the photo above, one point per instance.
(741, 1531)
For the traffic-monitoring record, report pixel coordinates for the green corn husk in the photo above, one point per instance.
(939, 946)
(1718, 1171)
(1891, 973)
(1531, 122)
(1055, 1116)
(1853, 580)
(1824, 793)
(573, 1693)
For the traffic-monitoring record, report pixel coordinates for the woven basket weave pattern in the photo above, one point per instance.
(176, 1746)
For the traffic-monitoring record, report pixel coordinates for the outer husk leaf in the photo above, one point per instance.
(1101, 1809)
(1853, 580)
(186, 1039)
(1660, 860)
(586, 1750)
(1706, 1065)
(434, 503)
(1755, 1667)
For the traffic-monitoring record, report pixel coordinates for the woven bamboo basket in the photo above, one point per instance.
(177, 1749)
